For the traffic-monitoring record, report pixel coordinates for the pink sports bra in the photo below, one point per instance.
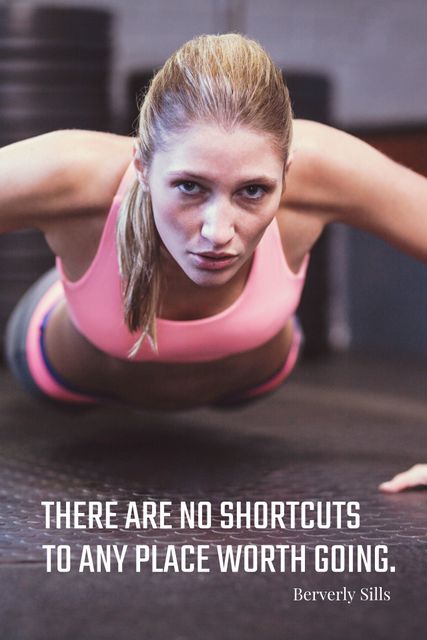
(270, 297)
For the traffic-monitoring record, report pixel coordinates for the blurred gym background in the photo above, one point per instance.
(357, 64)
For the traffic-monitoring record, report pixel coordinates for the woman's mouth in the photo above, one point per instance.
(212, 260)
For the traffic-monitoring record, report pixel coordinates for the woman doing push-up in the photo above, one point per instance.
(182, 253)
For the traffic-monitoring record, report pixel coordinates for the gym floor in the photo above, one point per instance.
(333, 432)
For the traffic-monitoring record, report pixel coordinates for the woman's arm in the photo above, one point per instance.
(349, 181)
(56, 175)
(35, 181)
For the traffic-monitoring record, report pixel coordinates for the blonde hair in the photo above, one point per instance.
(226, 79)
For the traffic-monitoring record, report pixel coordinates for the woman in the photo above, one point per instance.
(183, 291)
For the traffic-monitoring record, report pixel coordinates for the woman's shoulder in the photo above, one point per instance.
(91, 167)
(95, 166)
(322, 178)
(309, 134)
(312, 148)
(336, 177)
(59, 175)
(328, 161)
(301, 216)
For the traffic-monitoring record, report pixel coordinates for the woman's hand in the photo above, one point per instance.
(413, 477)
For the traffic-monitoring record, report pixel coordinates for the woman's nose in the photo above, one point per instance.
(218, 224)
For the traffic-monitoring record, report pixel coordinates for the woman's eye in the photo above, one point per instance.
(254, 191)
(189, 188)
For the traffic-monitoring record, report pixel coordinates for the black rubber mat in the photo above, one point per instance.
(332, 434)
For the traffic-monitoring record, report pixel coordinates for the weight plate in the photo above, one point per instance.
(30, 50)
(43, 122)
(29, 99)
(72, 24)
(57, 72)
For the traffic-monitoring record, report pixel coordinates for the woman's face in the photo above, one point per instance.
(214, 193)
